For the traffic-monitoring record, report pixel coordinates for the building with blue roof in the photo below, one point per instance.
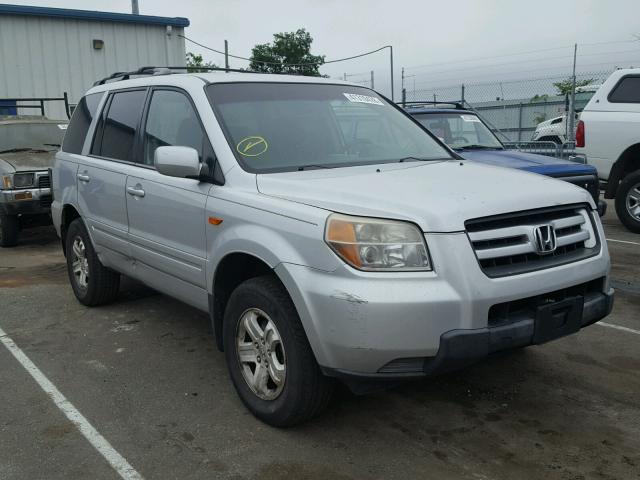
(45, 52)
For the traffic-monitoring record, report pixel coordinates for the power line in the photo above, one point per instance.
(286, 64)
(520, 53)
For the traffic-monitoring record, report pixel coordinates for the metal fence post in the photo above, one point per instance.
(520, 122)
(462, 94)
(371, 79)
(572, 106)
(404, 97)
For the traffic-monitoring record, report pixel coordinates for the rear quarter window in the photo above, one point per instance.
(80, 121)
(627, 90)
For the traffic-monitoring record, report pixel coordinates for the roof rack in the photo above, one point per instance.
(457, 104)
(36, 103)
(143, 71)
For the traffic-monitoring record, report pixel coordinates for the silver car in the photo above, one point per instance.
(327, 234)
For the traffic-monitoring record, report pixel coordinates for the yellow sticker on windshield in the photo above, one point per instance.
(252, 146)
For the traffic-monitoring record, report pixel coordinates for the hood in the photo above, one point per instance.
(438, 196)
(528, 161)
(27, 161)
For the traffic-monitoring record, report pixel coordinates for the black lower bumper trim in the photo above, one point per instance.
(460, 348)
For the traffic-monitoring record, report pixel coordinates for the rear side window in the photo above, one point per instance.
(80, 122)
(626, 91)
(115, 137)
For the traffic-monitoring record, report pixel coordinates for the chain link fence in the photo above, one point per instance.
(515, 107)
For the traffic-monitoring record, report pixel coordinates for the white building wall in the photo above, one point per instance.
(44, 57)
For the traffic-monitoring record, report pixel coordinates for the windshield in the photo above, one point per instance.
(293, 126)
(459, 130)
(46, 136)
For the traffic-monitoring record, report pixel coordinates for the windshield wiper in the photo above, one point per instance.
(476, 147)
(418, 159)
(26, 149)
(312, 166)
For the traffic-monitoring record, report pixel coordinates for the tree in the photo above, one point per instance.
(564, 87)
(195, 63)
(287, 48)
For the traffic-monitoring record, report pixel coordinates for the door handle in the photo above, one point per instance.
(136, 192)
(83, 177)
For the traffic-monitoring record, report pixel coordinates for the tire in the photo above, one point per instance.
(628, 201)
(9, 230)
(304, 391)
(100, 284)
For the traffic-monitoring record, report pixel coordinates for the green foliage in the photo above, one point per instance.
(287, 48)
(195, 63)
(539, 98)
(564, 87)
(540, 118)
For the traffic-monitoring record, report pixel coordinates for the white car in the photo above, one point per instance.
(556, 129)
(608, 134)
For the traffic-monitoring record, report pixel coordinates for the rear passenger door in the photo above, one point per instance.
(101, 175)
(167, 214)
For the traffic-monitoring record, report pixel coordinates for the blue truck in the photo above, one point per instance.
(465, 132)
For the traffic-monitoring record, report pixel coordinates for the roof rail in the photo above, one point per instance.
(38, 103)
(457, 104)
(142, 71)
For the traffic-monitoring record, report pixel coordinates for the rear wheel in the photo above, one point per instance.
(92, 283)
(269, 357)
(628, 201)
(9, 229)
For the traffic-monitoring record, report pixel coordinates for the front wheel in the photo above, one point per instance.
(9, 229)
(92, 283)
(269, 357)
(628, 201)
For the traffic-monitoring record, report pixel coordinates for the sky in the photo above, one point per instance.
(438, 42)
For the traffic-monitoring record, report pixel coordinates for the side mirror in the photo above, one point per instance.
(178, 162)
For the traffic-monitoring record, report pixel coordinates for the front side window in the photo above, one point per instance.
(116, 137)
(80, 121)
(282, 127)
(626, 91)
(459, 130)
(171, 121)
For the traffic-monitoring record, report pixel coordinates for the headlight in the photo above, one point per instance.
(22, 180)
(373, 244)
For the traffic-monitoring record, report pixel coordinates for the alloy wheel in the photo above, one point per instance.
(633, 202)
(261, 354)
(80, 263)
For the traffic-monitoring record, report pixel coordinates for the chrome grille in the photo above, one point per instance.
(506, 244)
(44, 181)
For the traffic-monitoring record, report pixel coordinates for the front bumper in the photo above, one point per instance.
(460, 348)
(359, 322)
(25, 201)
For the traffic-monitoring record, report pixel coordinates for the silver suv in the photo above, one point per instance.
(328, 235)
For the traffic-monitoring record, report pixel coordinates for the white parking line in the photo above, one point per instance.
(622, 241)
(117, 461)
(619, 327)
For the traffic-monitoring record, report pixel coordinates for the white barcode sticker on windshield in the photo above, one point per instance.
(354, 97)
(470, 118)
(62, 126)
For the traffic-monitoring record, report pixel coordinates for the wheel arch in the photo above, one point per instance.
(69, 214)
(629, 161)
(233, 269)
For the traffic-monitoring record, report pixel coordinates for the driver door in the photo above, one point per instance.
(166, 214)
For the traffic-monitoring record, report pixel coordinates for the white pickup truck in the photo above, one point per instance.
(608, 133)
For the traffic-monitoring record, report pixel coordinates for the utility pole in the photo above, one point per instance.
(226, 55)
(391, 57)
(371, 79)
(572, 107)
(134, 7)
